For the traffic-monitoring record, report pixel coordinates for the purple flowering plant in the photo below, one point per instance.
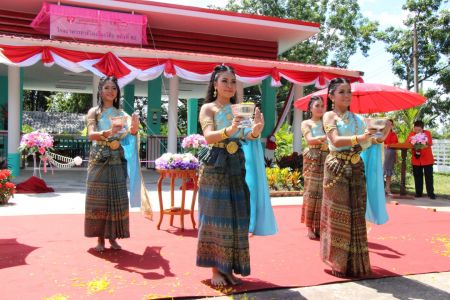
(183, 161)
(193, 143)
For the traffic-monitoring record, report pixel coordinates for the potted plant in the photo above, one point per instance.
(7, 188)
(284, 182)
(35, 143)
(177, 161)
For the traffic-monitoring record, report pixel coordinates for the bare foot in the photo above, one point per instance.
(100, 245)
(337, 274)
(311, 234)
(217, 279)
(114, 244)
(233, 280)
(250, 234)
(317, 233)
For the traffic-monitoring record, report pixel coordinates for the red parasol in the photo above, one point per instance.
(370, 98)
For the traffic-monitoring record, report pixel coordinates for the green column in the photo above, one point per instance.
(128, 95)
(14, 163)
(192, 115)
(3, 99)
(268, 106)
(154, 106)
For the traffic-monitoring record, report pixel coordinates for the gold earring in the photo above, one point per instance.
(215, 93)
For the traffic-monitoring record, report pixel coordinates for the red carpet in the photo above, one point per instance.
(33, 185)
(43, 256)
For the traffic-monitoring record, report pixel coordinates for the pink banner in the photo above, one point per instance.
(89, 24)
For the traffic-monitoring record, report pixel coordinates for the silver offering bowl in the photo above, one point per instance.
(377, 124)
(244, 110)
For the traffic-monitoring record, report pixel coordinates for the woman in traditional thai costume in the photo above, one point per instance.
(343, 235)
(313, 163)
(224, 197)
(115, 149)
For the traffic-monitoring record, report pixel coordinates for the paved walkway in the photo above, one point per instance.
(68, 198)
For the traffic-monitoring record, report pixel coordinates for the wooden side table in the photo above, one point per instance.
(185, 176)
(403, 147)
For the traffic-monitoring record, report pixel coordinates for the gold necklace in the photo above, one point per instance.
(220, 105)
(343, 116)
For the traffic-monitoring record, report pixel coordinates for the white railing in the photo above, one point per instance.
(441, 152)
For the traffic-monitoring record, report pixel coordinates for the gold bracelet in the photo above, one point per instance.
(375, 141)
(255, 137)
(224, 134)
(354, 140)
(102, 136)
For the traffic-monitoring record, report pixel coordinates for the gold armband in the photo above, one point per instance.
(329, 127)
(206, 123)
(354, 140)
(305, 132)
(90, 122)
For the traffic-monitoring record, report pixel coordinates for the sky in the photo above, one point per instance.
(377, 66)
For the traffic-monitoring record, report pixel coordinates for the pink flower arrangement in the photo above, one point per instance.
(193, 143)
(35, 142)
(419, 141)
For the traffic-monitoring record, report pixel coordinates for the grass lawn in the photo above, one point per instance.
(441, 185)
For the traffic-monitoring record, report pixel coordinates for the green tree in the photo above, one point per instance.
(69, 102)
(343, 31)
(432, 26)
(35, 100)
(343, 28)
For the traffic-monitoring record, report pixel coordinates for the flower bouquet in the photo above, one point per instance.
(35, 142)
(193, 143)
(419, 141)
(7, 188)
(184, 161)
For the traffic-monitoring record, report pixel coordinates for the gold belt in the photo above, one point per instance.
(353, 157)
(114, 145)
(231, 147)
(322, 147)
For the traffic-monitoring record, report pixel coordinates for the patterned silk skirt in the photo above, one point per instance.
(343, 235)
(313, 163)
(224, 214)
(107, 212)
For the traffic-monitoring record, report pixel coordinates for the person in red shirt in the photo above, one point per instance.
(390, 157)
(422, 162)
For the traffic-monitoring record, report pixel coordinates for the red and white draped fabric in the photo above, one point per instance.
(126, 69)
(271, 142)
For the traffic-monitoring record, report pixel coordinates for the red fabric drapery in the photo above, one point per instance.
(126, 69)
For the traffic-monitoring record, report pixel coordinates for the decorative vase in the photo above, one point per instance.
(4, 199)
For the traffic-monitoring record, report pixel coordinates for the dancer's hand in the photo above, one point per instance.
(258, 123)
(134, 123)
(234, 126)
